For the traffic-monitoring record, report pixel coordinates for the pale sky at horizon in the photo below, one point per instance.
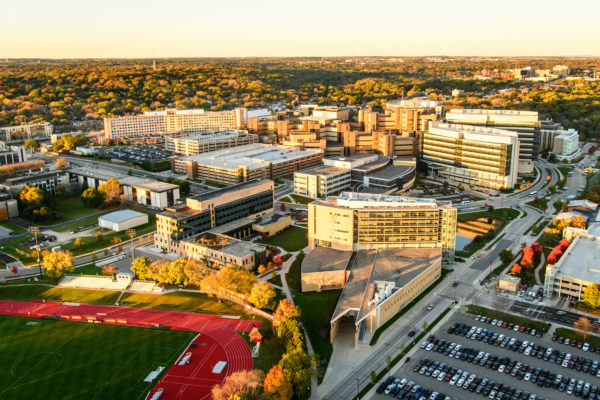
(262, 28)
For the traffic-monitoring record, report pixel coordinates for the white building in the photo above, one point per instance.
(23, 132)
(322, 181)
(121, 220)
(147, 192)
(172, 121)
(566, 144)
(576, 269)
(481, 157)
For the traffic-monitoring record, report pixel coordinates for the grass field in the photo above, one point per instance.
(183, 301)
(317, 309)
(15, 228)
(301, 199)
(93, 221)
(291, 239)
(71, 360)
(26, 292)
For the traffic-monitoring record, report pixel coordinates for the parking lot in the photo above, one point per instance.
(137, 154)
(500, 369)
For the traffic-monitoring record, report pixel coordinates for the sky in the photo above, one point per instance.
(278, 28)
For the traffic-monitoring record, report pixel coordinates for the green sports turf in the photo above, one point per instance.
(50, 360)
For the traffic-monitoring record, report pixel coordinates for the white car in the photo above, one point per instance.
(453, 380)
(424, 344)
(433, 395)
(429, 346)
(586, 347)
(516, 328)
(565, 363)
(494, 322)
(512, 341)
(527, 376)
(441, 376)
(501, 368)
(402, 383)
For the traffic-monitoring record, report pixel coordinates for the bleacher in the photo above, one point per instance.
(142, 286)
(93, 282)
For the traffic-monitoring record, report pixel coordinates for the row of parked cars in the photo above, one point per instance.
(521, 371)
(549, 354)
(471, 382)
(509, 325)
(408, 390)
(574, 343)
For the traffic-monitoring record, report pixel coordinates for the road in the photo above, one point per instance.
(547, 313)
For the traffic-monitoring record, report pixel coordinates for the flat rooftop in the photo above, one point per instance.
(325, 259)
(482, 111)
(470, 129)
(581, 260)
(219, 192)
(368, 200)
(396, 266)
(207, 137)
(381, 162)
(121, 216)
(270, 218)
(252, 156)
(180, 212)
(323, 170)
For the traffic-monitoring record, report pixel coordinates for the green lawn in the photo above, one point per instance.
(285, 200)
(478, 310)
(301, 199)
(291, 239)
(317, 309)
(15, 228)
(72, 360)
(43, 292)
(88, 269)
(276, 280)
(70, 227)
(182, 301)
(271, 349)
(503, 215)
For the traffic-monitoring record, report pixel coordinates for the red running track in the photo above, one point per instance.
(217, 340)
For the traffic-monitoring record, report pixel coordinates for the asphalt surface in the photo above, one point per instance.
(549, 314)
(406, 370)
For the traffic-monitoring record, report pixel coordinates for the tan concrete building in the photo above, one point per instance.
(408, 116)
(360, 221)
(210, 210)
(377, 283)
(220, 250)
(380, 142)
(482, 157)
(203, 143)
(321, 181)
(243, 163)
(510, 283)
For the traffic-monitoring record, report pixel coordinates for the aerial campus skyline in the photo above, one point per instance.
(265, 28)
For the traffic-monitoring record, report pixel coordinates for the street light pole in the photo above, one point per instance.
(131, 234)
(357, 382)
(36, 230)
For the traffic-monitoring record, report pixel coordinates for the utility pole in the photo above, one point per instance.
(36, 230)
(131, 233)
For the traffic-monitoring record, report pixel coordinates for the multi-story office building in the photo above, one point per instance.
(203, 143)
(23, 132)
(172, 121)
(566, 144)
(11, 154)
(209, 210)
(576, 269)
(45, 180)
(548, 131)
(219, 250)
(525, 123)
(380, 142)
(401, 116)
(321, 181)
(147, 192)
(360, 221)
(482, 157)
(242, 163)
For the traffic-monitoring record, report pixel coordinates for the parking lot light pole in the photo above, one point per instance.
(36, 230)
(357, 388)
(131, 234)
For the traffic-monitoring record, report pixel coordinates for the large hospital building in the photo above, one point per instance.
(482, 157)
(361, 221)
(172, 121)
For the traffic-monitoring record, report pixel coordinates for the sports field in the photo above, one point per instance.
(48, 360)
